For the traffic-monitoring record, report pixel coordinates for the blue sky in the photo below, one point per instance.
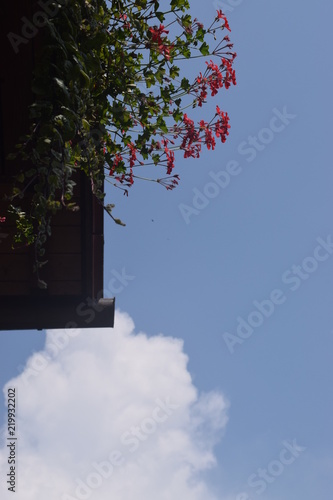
(265, 238)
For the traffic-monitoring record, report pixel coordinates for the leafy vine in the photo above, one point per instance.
(106, 85)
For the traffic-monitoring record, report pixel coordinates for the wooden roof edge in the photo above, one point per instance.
(70, 313)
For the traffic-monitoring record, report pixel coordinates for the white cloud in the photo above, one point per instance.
(109, 413)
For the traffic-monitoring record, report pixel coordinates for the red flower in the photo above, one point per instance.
(169, 182)
(191, 139)
(132, 154)
(215, 79)
(156, 36)
(202, 86)
(230, 75)
(203, 124)
(220, 15)
(222, 125)
(157, 32)
(170, 159)
(116, 161)
(209, 139)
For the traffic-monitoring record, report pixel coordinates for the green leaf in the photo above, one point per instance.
(186, 52)
(186, 20)
(60, 85)
(200, 34)
(160, 16)
(178, 115)
(85, 124)
(156, 158)
(204, 49)
(174, 71)
(86, 78)
(118, 221)
(162, 126)
(109, 207)
(185, 84)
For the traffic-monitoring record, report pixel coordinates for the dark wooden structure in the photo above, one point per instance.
(74, 272)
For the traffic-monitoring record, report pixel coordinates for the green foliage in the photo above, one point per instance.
(106, 83)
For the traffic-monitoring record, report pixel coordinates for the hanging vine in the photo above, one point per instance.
(106, 85)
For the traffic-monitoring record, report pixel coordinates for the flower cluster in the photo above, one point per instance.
(215, 79)
(169, 182)
(154, 110)
(163, 45)
(170, 155)
(220, 15)
(222, 125)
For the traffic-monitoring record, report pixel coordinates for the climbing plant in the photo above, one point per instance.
(111, 99)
